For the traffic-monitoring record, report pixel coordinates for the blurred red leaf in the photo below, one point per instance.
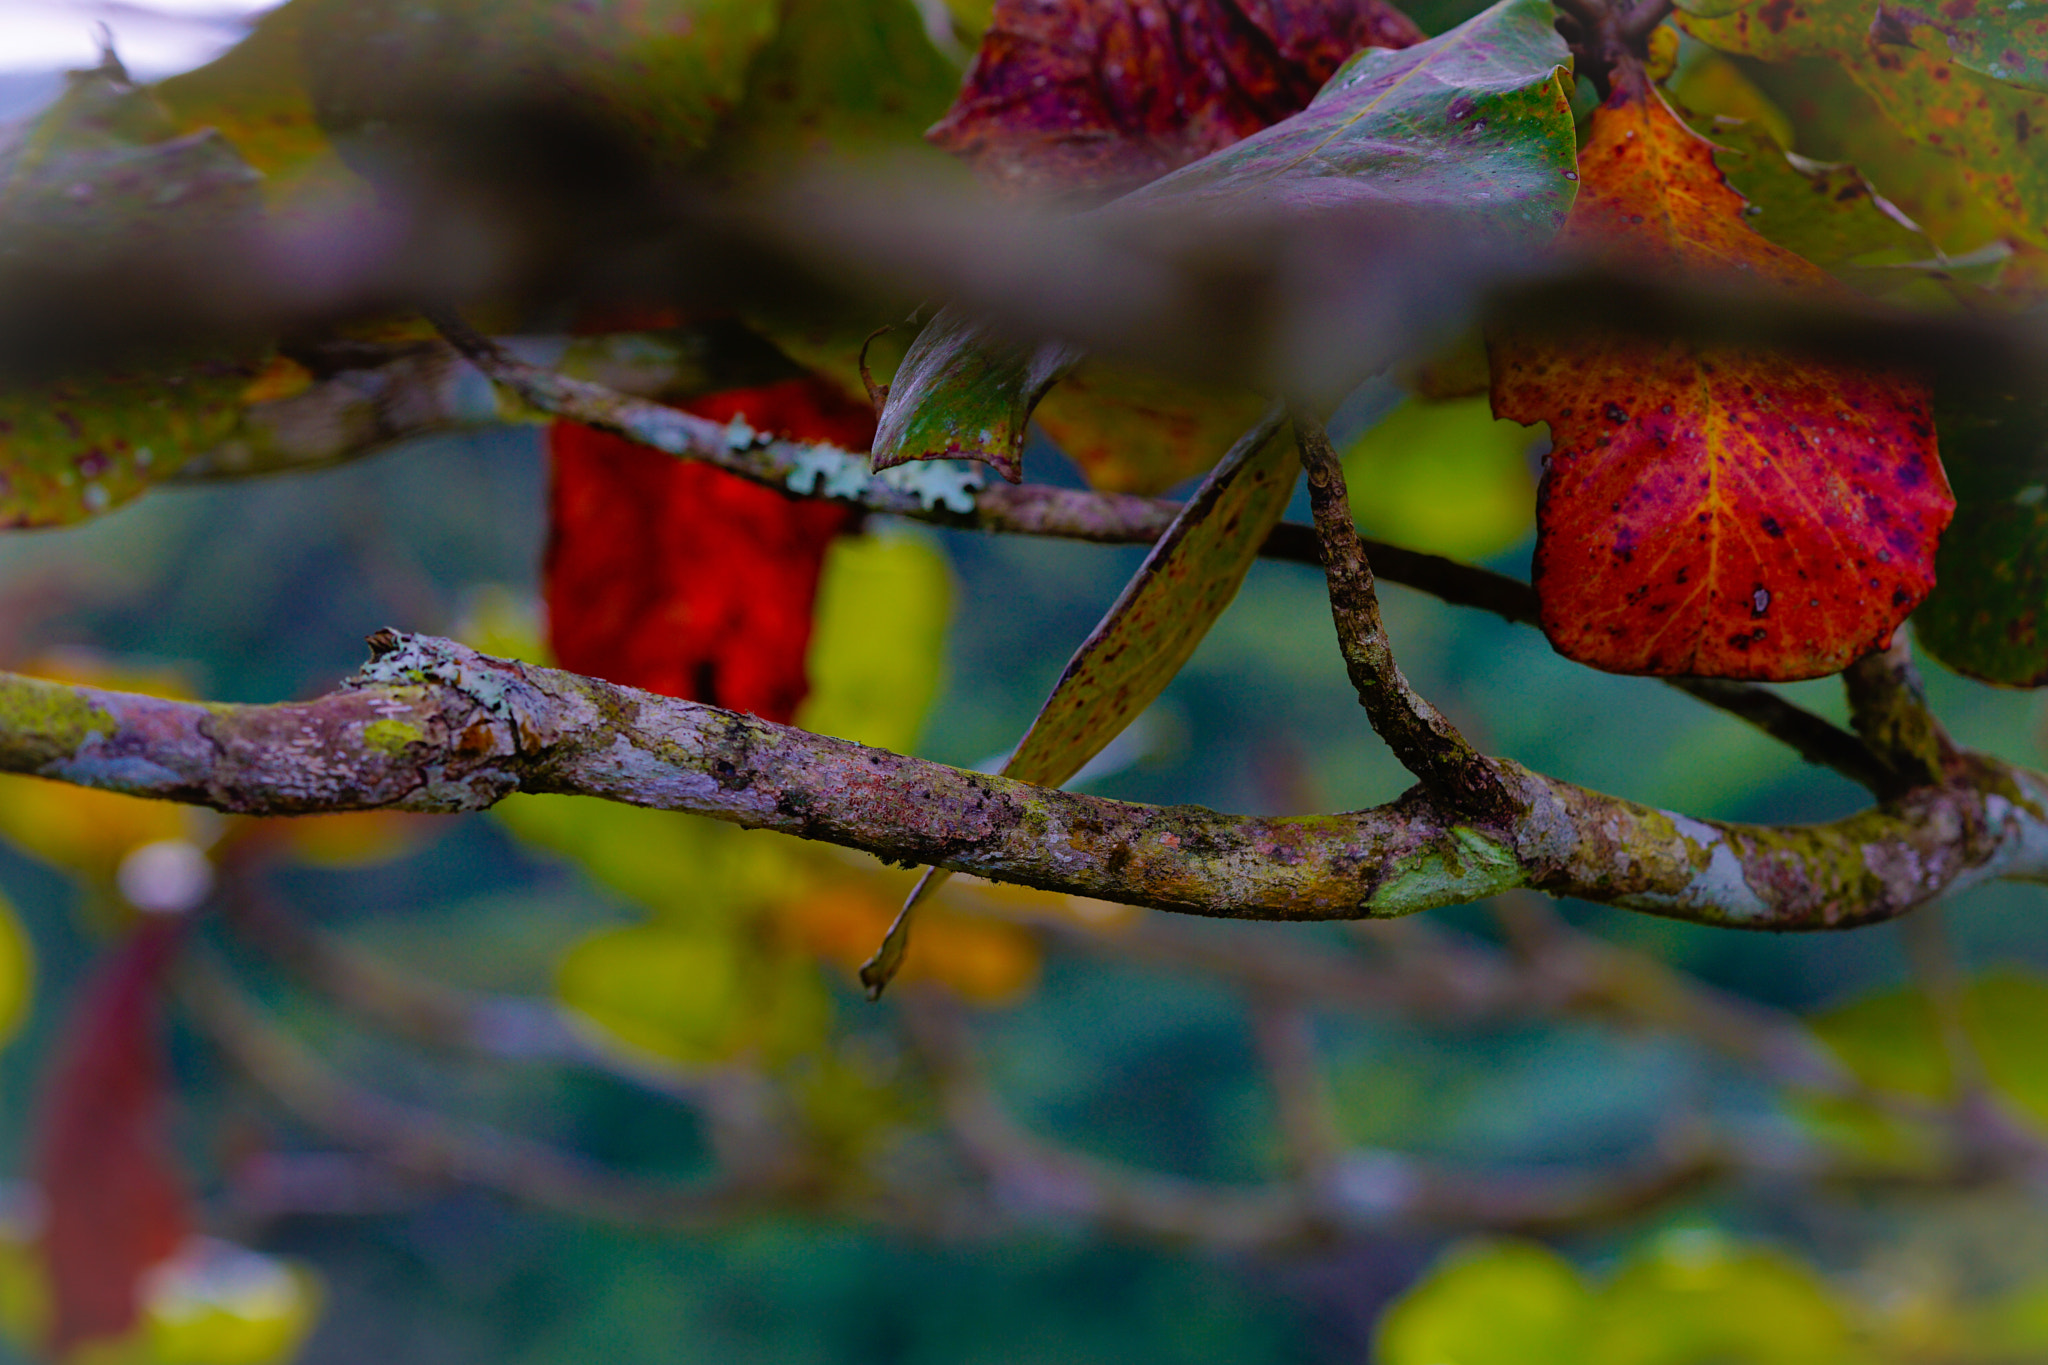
(680, 578)
(1711, 510)
(114, 1204)
(1108, 94)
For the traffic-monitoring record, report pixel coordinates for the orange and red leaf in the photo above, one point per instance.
(1714, 510)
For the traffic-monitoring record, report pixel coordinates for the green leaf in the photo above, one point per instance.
(2006, 40)
(878, 639)
(1477, 121)
(1443, 477)
(403, 85)
(966, 391)
(1988, 614)
(1825, 211)
(1490, 1303)
(840, 78)
(1983, 125)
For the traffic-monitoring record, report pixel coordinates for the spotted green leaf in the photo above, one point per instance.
(1477, 121)
(1192, 573)
(1985, 126)
(1152, 629)
(2006, 40)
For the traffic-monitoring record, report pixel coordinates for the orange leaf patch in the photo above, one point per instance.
(682, 579)
(1711, 510)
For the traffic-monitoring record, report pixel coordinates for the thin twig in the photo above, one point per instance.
(1425, 741)
(434, 1147)
(1888, 708)
(1285, 1036)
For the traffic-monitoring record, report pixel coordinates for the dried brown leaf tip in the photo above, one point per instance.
(1104, 95)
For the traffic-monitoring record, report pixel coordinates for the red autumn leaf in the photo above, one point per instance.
(1711, 510)
(680, 578)
(114, 1205)
(1108, 94)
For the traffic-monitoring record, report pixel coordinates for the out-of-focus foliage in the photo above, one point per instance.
(1684, 1299)
(1444, 477)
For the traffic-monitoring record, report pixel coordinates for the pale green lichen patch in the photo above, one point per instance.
(389, 736)
(1461, 865)
(51, 717)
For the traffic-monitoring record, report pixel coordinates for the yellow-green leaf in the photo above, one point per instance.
(1163, 613)
(17, 972)
(1443, 477)
(1490, 1303)
(690, 996)
(1693, 1297)
(878, 639)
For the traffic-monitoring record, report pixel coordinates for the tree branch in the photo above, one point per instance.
(432, 725)
(1421, 736)
(423, 390)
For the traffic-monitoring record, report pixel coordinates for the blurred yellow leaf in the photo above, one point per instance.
(1694, 1297)
(17, 971)
(219, 1304)
(1443, 477)
(356, 838)
(878, 641)
(1490, 1303)
(683, 867)
(692, 997)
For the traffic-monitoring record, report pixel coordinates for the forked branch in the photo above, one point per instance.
(1421, 736)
